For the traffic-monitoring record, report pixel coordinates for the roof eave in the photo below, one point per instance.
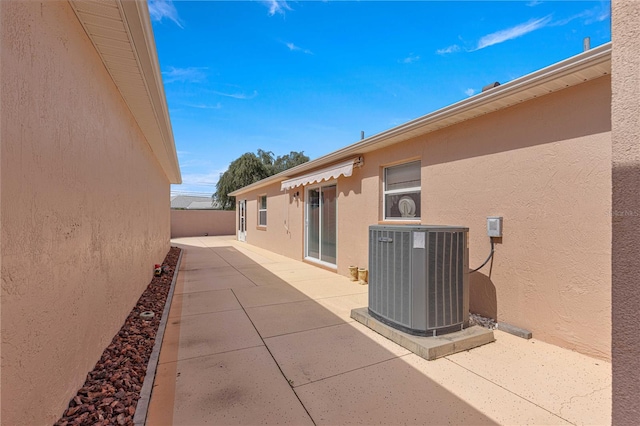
(150, 110)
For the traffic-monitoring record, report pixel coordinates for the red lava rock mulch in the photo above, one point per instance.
(110, 394)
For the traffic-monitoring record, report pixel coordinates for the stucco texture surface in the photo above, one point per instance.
(285, 220)
(193, 223)
(85, 209)
(544, 165)
(626, 211)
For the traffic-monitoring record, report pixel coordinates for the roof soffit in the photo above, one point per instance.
(122, 35)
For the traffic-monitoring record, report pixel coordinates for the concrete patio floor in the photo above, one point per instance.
(254, 337)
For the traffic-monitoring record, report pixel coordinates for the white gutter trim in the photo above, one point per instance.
(152, 78)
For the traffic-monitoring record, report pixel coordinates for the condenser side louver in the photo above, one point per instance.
(418, 278)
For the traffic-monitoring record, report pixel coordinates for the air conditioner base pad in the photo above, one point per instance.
(429, 348)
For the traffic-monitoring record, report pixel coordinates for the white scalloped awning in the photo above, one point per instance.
(333, 172)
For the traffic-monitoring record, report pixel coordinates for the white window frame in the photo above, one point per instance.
(260, 210)
(385, 192)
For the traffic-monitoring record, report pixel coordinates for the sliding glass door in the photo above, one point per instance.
(321, 228)
(242, 220)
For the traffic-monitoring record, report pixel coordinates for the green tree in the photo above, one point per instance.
(250, 168)
(241, 172)
(288, 161)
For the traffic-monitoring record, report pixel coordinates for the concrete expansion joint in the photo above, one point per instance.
(306, 331)
(273, 358)
(205, 313)
(338, 297)
(509, 390)
(216, 353)
(298, 301)
(351, 371)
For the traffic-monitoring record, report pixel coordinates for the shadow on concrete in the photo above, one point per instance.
(339, 371)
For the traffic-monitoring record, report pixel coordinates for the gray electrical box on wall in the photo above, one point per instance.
(494, 226)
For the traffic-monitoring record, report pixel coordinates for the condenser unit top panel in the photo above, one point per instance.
(423, 228)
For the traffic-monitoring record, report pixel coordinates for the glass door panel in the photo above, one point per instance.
(313, 224)
(321, 232)
(328, 225)
(242, 220)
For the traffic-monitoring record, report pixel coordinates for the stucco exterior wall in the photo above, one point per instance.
(84, 209)
(544, 166)
(192, 223)
(284, 231)
(626, 210)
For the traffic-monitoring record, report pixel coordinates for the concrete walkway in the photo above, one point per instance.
(254, 337)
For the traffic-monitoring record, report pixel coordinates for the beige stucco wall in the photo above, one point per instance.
(544, 166)
(283, 233)
(84, 209)
(626, 209)
(192, 223)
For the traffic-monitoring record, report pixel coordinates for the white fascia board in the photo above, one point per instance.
(141, 31)
(129, 20)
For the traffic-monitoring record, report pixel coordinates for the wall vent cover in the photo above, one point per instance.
(419, 278)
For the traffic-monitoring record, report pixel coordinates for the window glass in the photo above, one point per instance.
(262, 210)
(313, 227)
(402, 191)
(402, 176)
(328, 230)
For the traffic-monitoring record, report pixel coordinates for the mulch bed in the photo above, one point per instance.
(110, 394)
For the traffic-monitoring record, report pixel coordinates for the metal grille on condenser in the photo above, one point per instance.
(444, 279)
(418, 285)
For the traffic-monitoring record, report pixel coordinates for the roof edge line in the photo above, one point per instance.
(567, 66)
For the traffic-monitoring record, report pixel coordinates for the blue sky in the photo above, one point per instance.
(310, 75)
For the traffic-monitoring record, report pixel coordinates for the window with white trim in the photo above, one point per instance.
(262, 210)
(401, 195)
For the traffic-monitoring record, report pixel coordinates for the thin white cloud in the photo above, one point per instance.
(160, 9)
(190, 74)
(191, 162)
(451, 49)
(513, 32)
(411, 59)
(276, 6)
(204, 106)
(238, 95)
(295, 48)
(565, 21)
(597, 16)
(590, 16)
(210, 178)
(469, 92)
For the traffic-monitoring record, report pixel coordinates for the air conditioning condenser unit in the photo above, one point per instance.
(419, 277)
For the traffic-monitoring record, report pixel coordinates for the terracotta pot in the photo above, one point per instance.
(353, 273)
(363, 276)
